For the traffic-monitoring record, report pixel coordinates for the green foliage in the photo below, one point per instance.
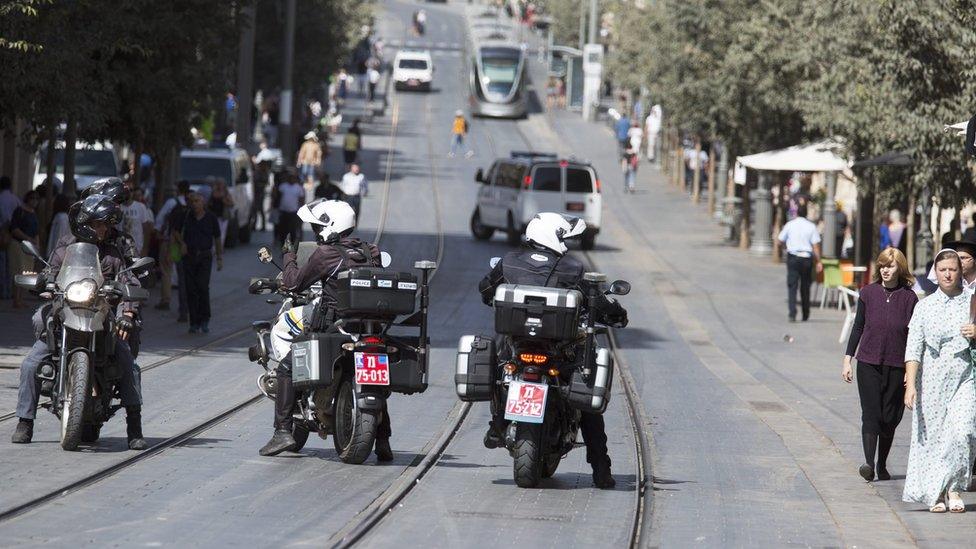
(759, 74)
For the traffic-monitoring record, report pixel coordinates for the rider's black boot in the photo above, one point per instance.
(495, 436)
(601, 476)
(383, 450)
(282, 440)
(24, 431)
(133, 428)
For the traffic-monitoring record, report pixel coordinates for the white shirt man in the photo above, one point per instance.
(354, 182)
(138, 222)
(652, 126)
(802, 241)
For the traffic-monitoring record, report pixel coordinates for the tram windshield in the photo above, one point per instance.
(499, 74)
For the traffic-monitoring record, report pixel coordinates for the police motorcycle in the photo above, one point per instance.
(345, 368)
(81, 378)
(544, 369)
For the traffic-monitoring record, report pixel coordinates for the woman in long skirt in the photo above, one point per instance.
(943, 396)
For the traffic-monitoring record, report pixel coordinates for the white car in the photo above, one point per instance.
(515, 189)
(413, 69)
(93, 161)
(202, 166)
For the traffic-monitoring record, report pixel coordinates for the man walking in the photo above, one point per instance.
(173, 210)
(290, 197)
(459, 130)
(354, 186)
(802, 241)
(373, 75)
(199, 235)
(309, 158)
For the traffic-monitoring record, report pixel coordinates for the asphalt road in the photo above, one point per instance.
(754, 441)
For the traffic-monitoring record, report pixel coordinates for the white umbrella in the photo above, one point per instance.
(822, 156)
(959, 128)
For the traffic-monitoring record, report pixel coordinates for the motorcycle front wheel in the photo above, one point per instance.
(355, 429)
(73, 405)
(528, 455)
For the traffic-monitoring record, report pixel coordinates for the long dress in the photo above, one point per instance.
(944, 420)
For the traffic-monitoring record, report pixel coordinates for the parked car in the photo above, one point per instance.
(93, 161)
(413, 69)
(515, 189)
(202, 166)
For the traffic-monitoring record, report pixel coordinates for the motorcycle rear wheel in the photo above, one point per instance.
(551, 464)
(355, 429)
(73, 406)
(527, 464)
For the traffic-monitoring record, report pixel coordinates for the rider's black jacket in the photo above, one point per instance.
(546, 268)
(325, 262)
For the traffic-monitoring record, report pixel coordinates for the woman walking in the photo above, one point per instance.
(943, 397)
(877, 340)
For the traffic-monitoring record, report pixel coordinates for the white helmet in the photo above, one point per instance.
(550, 230)
(330, 219)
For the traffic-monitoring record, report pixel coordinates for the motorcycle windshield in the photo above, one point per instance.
(81, 261)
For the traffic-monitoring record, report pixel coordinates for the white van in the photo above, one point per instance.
(515, 189)
(93, 161)
(413, 69)
(200, 166)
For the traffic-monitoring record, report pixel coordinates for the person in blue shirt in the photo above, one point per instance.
(621, 128)
(802, 241)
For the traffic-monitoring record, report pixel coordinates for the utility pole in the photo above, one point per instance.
(830, 218)
(245, 77)
(593, 18)
(285, 137)
(592, 68)
(582, 27)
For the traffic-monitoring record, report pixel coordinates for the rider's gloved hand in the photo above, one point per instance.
(124, 326)
(288, 247)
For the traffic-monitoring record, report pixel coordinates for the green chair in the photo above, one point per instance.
(833, 280)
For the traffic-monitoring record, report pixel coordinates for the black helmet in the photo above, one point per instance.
(96, 207)
(112, 187)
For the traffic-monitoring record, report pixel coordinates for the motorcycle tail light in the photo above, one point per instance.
(533, 358)
(531, 374)
(553, 372)
(372, 340)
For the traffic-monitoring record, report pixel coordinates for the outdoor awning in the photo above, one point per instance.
(959, 128)
(822, 156)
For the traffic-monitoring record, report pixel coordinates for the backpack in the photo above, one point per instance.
(350, 142)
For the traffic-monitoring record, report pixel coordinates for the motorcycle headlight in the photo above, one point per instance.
(81, 292)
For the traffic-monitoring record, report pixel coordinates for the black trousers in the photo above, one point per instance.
(289, 224)
(197, 267)
(882, 392)
(799, 275)
(595, 437)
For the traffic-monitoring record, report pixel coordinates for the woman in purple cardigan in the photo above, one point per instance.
(879, 335)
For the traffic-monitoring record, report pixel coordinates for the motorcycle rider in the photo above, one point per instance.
(332, 221)
(545, 263)
(91, 220)
(120, 191)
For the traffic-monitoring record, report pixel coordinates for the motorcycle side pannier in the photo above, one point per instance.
(591, 393)
(312, 358)
(476, 369)
(537, 312)
(406, 373)
(372, 292)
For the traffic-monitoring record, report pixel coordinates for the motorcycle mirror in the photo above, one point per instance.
(619, 287)
(479, 176)
(141, 263)
(385, 259)
(30, 249)
(494, 261)
(264, 255)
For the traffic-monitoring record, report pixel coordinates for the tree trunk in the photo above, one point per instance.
(711, 178)
(70, 186)
(696, 175)
(135, 170)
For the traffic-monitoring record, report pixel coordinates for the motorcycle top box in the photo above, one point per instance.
(372, 292)
(537, 312)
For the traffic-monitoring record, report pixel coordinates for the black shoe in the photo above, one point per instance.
(24, 432)
(493, 438)
(883, 474)
(383, 450)
(133, 428)
(282, 441)
(867, 472)
(602, 478)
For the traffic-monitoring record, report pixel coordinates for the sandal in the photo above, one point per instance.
(938, 508)
(956, 505)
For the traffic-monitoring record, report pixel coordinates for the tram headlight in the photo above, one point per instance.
(81, 292)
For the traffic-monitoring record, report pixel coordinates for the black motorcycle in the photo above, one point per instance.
(544, 369)
(81, 378)
(346, 360)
